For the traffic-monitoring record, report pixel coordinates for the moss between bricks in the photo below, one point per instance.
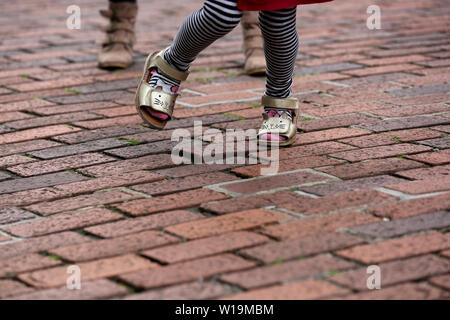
(231, 115)
(73, 90)
(133, 142)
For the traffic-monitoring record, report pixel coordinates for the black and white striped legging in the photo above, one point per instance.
(218, 17)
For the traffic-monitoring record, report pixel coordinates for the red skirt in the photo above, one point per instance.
(269, 5)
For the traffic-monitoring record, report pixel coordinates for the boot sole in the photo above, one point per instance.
(112, 65)
(256, 72)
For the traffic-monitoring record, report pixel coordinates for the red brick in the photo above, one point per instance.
(13, 214)
(273, 182)
(32, 95)
(312, 150)
(116, 112)
(299, 290)
(68, 108)
(51, 120)
(446, 253)
(204, 268)
(46, 180)
(227, 223)
(4, 238)
(205, 247)
(441, 281)
(179, 200)
(235, 86)
(411, 111)
(373, 140)
(413, 134)
(188, 291)
(418, 100)
(407, 291)
(37, 133)
(62, 222)
(50, 84)
(207, 110)
(26, 146)
(341, 109)
(96, 289)
(12, 266)
(335, 121)
(285, 271)
(383, 69)
(12, 288)
(420, 81)
(30, 197)
(14, 115)
(425, 173)
(27, 105)
(59, 164)
(312, 226)
(379, 152)
(39, 244)
(394, 60)
(14, 159)
(328, 134)
(351, 185)
(102, 123)
(185, 183)
(251, 202)
(212, 99)
(194, 169)
(19, 72)
(370, 168)
(120, 180)
(286, 165)
(124, 166)
(445, 129)
(301, 247)
(44, 55)
(395, 272)
(397, 248)
(412, 207)
(337, 202)
(97, 269)
(112, 247)
(98, 198)
(434, 158)
(328, 60)
(422, 186)
(318, 77)
(154, 221)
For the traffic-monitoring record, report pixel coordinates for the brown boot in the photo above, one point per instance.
(117, 48)
(255, 62)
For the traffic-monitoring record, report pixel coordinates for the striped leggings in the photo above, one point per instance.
(218, 17)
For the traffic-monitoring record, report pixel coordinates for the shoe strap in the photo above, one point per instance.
(280, 103)
(159, 62)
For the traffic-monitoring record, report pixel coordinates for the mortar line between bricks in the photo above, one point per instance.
(403, 196)
(243, 195)
(215, 102)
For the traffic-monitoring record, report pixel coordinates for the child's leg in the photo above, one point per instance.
(200, 29)
(214, 20)
(280, 48)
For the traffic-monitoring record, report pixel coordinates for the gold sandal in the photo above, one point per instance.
(155, 98)
(277, 125)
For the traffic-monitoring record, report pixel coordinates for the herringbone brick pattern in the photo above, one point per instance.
(83, 182)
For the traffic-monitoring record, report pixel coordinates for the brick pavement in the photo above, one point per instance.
(367, 181)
